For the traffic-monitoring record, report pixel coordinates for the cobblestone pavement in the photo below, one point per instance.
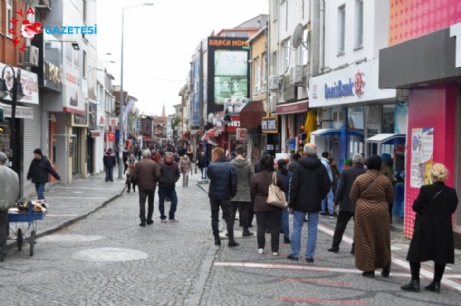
(107, 259)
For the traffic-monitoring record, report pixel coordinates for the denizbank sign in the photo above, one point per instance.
(339, 89)
(353, 84)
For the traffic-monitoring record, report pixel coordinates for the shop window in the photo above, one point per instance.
(358, 24)
(9, 15)
(257, 71)
(286, 54)
(388, 119)
(264, 72)
(5, 137)
(341, 29)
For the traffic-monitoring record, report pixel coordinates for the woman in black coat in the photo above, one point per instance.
(433, 235)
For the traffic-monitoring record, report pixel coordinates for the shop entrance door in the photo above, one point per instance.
(74, 148)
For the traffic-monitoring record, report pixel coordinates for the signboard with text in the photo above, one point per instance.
(29, 83)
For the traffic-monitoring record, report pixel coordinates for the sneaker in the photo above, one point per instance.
(164, 221)
(149, 222)
(275, 253)
(291, 257)
(247, 234)
(334, 215)
(333, 250)
(173, 220)
(309, 260)
(286, 240)
(261, 251)
(323, 213)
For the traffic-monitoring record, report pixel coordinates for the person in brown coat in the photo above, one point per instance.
(433, 237)
(373, 193)
(146, 175)
(266, 213)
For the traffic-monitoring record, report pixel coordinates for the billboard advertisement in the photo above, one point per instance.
(228, 75)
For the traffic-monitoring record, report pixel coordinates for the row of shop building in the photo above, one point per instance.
(351, 76)
(70, 109)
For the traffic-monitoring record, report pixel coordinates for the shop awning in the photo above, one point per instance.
(21, 112)
(385, 138)
(292, 108)
(252, 114)
(94, 133)
(335, 132)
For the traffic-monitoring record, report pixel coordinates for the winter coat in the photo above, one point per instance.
(387, 171)
(326, 163)
(109, 159)
(310, 184)
(344, 189)
(245, 175)
(128, 168)
(185, 164)
(223, 180)
(202, 163)
(433, 235)
(39, 171)
(336, 175)
(286, 182)
(169, 175)
(156, 158)
(260, 190)
(146, 174)
(9, 188)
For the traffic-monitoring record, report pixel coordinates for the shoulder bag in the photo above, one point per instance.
(276, 196)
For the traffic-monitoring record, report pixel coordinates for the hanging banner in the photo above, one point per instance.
(422, 147)
(129, 106)
(111, 136)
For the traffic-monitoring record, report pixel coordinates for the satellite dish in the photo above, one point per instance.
(297, 37)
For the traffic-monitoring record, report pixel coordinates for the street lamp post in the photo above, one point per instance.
(16, 93)
(120, 118)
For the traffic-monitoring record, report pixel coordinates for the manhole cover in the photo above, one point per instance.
(70, 238)
(109, 254)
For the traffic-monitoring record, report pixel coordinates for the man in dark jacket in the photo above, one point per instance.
(125, 156)
(223, 187)
(146, 175)
(110, 161)
(39, 172)
(346, 205)
(166, 187)
(309, 186)
(203, 164)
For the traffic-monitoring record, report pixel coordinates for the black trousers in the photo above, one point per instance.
(226, 207)
(143, 194)
(3, 233)
(271, 219)
(341, 223)
(416, 266)
(243, 213)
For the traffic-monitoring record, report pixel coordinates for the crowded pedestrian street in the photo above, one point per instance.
(105, 258)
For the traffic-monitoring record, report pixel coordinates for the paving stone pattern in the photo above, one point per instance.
(183, 267)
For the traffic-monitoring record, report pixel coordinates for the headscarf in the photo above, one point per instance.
(374, 162)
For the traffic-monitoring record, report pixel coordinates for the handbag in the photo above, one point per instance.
(276, 196)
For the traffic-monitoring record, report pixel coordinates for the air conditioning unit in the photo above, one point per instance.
(43, 5)
(30, 56)
(274, 83)
(297, 77)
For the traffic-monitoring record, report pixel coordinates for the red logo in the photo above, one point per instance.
(28, 29)
(359, 83)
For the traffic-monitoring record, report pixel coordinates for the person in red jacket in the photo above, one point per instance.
(156, 158)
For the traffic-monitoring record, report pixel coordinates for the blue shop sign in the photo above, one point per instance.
(339, 90)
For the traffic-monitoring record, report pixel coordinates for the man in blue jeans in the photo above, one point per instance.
(39, 173)
(170, 174)
(327, 203)
(110, 161)
(309, 185)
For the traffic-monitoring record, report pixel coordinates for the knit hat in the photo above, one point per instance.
(386, 157)
(38, 151)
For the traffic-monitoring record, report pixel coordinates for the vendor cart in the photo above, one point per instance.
(22, 218)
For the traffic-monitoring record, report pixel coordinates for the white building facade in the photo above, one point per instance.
(350, 106)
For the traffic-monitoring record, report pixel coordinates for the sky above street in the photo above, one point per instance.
(160, 40)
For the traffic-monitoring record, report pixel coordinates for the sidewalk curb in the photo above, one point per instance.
(200, 186)
(51, 230)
